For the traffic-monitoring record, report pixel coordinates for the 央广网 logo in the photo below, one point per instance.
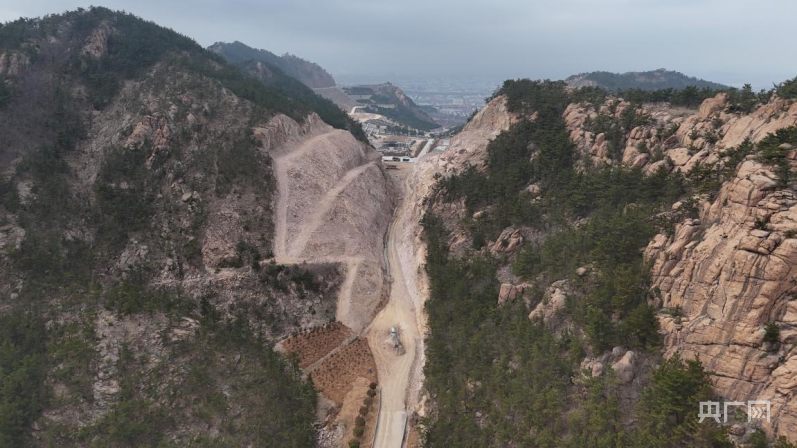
(756, 410)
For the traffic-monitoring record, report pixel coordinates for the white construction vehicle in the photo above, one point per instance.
(394, 337)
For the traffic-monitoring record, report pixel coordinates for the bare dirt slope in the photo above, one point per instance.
(333, 205)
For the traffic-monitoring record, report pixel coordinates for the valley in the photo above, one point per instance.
(220, 246)
(398, 370)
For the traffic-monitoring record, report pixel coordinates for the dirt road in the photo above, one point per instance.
(327, 213)
(394, 370)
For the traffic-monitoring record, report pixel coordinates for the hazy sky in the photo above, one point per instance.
(730, 41)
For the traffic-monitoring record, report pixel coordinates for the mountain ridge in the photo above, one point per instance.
(309, 73)
(645, 80)
(289, 73)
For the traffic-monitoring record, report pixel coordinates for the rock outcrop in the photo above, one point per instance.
(97, 44)
(552, 302)
(733, 271)
(508, 242)
(596, 147)
(625, 367)
(625, 364)
(12, 64)
(691, 139)
(509, 292)
(723, 277)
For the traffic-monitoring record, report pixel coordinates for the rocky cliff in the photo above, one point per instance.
(721, 261)
(732, 273)
(728, 273)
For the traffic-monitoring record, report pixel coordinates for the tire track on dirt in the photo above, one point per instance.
(315, 220)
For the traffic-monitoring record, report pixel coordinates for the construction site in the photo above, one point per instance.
(336, 201)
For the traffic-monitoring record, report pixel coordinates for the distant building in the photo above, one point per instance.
(395, 144)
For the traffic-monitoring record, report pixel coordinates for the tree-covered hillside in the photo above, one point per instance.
(309, 73)
(135, 212)
(390, 101)
(498, 376)
(275, 72)
(650, 80)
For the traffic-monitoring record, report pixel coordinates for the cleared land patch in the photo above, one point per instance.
(336, 375)
(314, 343)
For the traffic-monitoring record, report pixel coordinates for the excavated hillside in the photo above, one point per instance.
(468, 148)
(387, 100)
(333, 206)
(409, 257)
